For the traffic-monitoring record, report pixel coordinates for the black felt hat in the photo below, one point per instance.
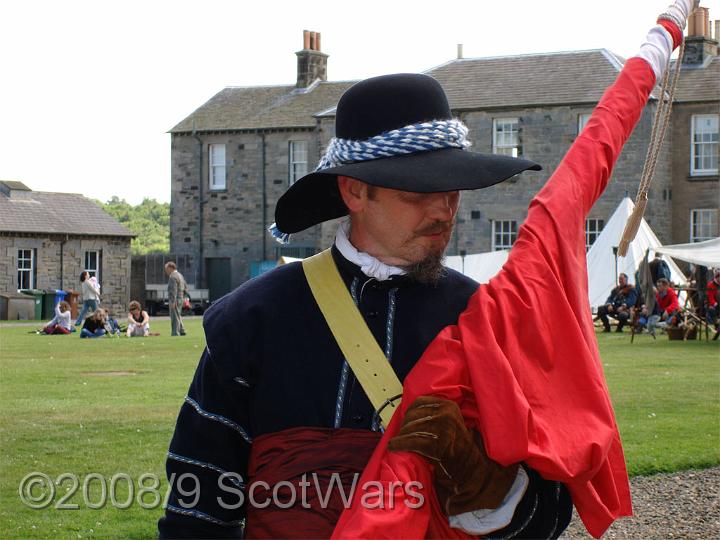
(373, 107)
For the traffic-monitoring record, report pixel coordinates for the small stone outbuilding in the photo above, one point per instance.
(47, 239)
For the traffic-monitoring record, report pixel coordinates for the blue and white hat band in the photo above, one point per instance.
(423, 137)
(427, 136)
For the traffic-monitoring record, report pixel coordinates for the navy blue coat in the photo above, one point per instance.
(271, 364)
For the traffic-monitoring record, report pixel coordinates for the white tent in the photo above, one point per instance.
(604, 266)
(478, 266)
(705, 253)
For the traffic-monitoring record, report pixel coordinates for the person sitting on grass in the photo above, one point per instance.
(138, 321)
(618, 304)
(648, 319)
(94, 325)
(62, 322)
(112, 326)
(667, 302)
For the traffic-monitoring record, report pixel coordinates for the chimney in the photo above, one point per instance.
(459, 51)
(699, 43)
(698, 23)
(311, 62)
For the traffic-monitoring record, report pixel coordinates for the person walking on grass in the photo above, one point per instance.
(90, 290)
(177, 290)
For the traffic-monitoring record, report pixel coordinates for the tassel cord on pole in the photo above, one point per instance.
(657, 134)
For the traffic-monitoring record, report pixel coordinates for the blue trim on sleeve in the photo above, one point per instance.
(557, 515)
(206, 465)
(203, 516)
(525, 523)
(218, 418)
(241, 382)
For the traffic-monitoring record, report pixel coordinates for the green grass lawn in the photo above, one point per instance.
(666, 396)
(63, 411)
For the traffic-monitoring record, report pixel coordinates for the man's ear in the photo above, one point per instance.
(353, 193)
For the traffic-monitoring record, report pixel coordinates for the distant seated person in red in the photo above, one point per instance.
(61, 323)
(618, 304)
(667, 302)
(94, 325)
(713, 296)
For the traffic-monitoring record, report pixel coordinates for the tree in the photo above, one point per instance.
(149, 220)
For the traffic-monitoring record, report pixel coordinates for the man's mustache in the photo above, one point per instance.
(435, 228)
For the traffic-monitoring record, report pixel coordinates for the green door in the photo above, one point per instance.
(218, 276)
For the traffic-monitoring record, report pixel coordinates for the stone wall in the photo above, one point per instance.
(232, 219)
(232, 222)
(689, 192)
(326, 131)
(114, 269)
(545, 136)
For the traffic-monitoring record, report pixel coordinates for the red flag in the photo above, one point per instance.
(523, 361)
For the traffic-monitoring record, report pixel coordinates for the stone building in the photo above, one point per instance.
(231, 160)
(47, 239)
(694, 136)
(235, 155)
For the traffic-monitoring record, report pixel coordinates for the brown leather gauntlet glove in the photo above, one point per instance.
(466, 479)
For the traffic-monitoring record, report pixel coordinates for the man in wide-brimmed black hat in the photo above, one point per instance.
(294, 388)
(396, 166)
(273, 376)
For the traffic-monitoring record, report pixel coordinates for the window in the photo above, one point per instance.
(504, 234)
(505, 137)
(704, 144)
(582, 121)
(297, 160)
(593, 228)
(703, 224)
(92, 263)
(26, 269)
(217, 166)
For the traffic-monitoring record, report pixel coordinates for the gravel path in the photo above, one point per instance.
(676, 505)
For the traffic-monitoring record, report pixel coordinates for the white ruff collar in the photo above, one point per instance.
(370, 266)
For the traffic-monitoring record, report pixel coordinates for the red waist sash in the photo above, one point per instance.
(301, 478)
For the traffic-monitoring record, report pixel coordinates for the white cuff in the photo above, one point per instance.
(656, 50)
(680, 11)
(484, 521)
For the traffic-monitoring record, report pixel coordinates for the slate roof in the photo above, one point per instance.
(546, 79)
(264, 107)
(527, 80)
(55, 213)
(699, 83)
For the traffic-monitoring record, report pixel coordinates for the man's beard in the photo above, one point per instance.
(428, 270)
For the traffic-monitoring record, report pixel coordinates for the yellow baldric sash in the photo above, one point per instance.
(356, 342)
